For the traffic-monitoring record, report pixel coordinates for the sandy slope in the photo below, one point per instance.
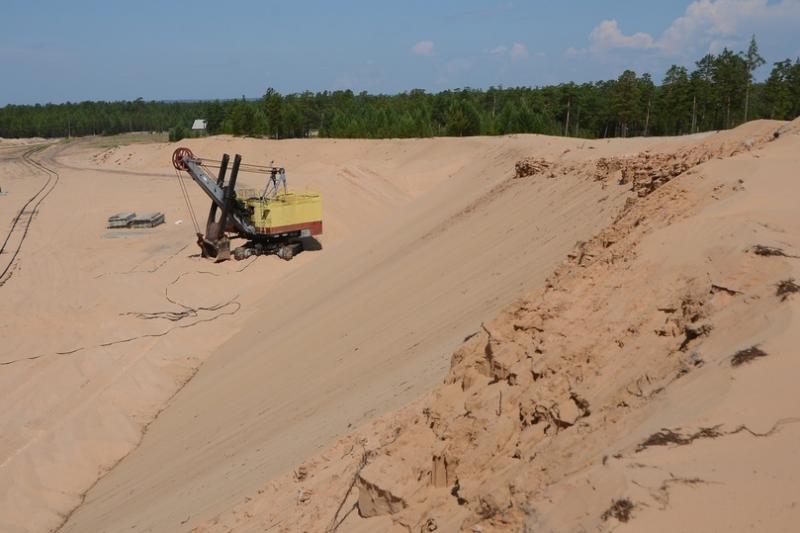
(615, 396)
(79, 406)
(82, 393)
(387, 292)
(425, 240)
(365, 328)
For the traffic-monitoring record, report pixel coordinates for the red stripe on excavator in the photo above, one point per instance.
(315, 228)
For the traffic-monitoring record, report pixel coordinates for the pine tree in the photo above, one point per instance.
(647, 92)
(625, 101)
(677, 101)
(706, 108)
(462, 119)
(273, 104)
(242, 118)
(215, 115)
(753, 60)
(730, 79)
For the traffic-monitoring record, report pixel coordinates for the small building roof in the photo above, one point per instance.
(199, 124)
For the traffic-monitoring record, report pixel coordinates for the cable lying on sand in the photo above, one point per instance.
(173, 316)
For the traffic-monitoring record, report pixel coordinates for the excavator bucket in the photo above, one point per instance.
(219, 250)
(223, 250)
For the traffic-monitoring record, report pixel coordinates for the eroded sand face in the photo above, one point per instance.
(647, 386)
(425, 240)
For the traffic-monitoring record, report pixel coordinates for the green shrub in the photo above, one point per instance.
(177, 133)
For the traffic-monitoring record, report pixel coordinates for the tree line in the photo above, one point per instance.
(718, 93)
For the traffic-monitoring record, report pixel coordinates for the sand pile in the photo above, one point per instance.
(365, 328)
(531, 166)
(86, 371)
(621, 392)
(647, 171)
(428, 245)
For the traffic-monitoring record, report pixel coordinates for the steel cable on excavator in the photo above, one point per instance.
(187, 199)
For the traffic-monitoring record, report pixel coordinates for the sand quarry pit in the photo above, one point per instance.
(499, 334)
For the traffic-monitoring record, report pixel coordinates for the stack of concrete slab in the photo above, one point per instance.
(149, 220)
(121, 220)
(130, 220)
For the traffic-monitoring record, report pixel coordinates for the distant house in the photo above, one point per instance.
(199, 125)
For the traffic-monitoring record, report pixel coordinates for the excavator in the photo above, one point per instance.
(274, 221)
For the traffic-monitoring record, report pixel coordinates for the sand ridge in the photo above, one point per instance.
(83, 393)
(615, 397)
(345, 319)
(429, 239)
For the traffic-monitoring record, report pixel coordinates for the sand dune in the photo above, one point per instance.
(622, 395)
(426, 240)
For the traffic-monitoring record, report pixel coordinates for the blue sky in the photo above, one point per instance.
(105, 50)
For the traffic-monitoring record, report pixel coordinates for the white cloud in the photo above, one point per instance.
(720, 22)
(705, 26)
(607, 35)
(423, 48)
(518, 52)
